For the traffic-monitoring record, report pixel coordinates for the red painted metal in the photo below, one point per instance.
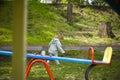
(92, 53)
(32, 61)
(92, 50)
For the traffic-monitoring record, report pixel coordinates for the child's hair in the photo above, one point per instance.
(60, 36)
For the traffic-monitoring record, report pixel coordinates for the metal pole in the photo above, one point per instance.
(88, 70)
(19, 39)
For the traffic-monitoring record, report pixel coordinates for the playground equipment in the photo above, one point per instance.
(39, 58)
(107, 59)
(32, 61)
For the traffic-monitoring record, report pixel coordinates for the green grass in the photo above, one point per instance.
(67, 70)
(45, 22)
(5, 36)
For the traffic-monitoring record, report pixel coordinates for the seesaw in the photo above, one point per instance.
(39, 58)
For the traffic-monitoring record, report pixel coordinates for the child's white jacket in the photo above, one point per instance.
(55, 46)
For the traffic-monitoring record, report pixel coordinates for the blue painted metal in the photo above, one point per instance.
(6, 53)
(65, 59)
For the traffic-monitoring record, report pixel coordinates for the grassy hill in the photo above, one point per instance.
(46, 21)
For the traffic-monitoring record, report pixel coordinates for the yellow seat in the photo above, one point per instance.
(107, 55)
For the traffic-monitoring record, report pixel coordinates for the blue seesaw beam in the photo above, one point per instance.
(65, 59)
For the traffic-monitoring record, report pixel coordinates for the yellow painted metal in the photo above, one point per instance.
(19, 39)
(107, 55)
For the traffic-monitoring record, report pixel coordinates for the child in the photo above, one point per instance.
(55, 46)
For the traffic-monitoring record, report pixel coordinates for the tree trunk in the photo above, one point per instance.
(105, 30)
(69, 11)
(1, 3)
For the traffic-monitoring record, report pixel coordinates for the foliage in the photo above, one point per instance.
(43, 20)
(99, 2)
(6, 15)
(5, 36)
(46, 21)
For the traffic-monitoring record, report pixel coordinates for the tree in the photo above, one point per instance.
(105, 30)
(69, 11)
(1, 3)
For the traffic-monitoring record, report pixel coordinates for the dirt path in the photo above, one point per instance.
(38, 48)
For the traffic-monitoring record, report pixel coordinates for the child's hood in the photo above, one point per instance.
(54, 40)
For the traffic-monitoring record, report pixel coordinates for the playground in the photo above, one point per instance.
(67, 70)
(17, 64)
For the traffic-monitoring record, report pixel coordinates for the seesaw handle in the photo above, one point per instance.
(92, 50)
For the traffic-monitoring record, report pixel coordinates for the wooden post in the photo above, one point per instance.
(19, 39)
